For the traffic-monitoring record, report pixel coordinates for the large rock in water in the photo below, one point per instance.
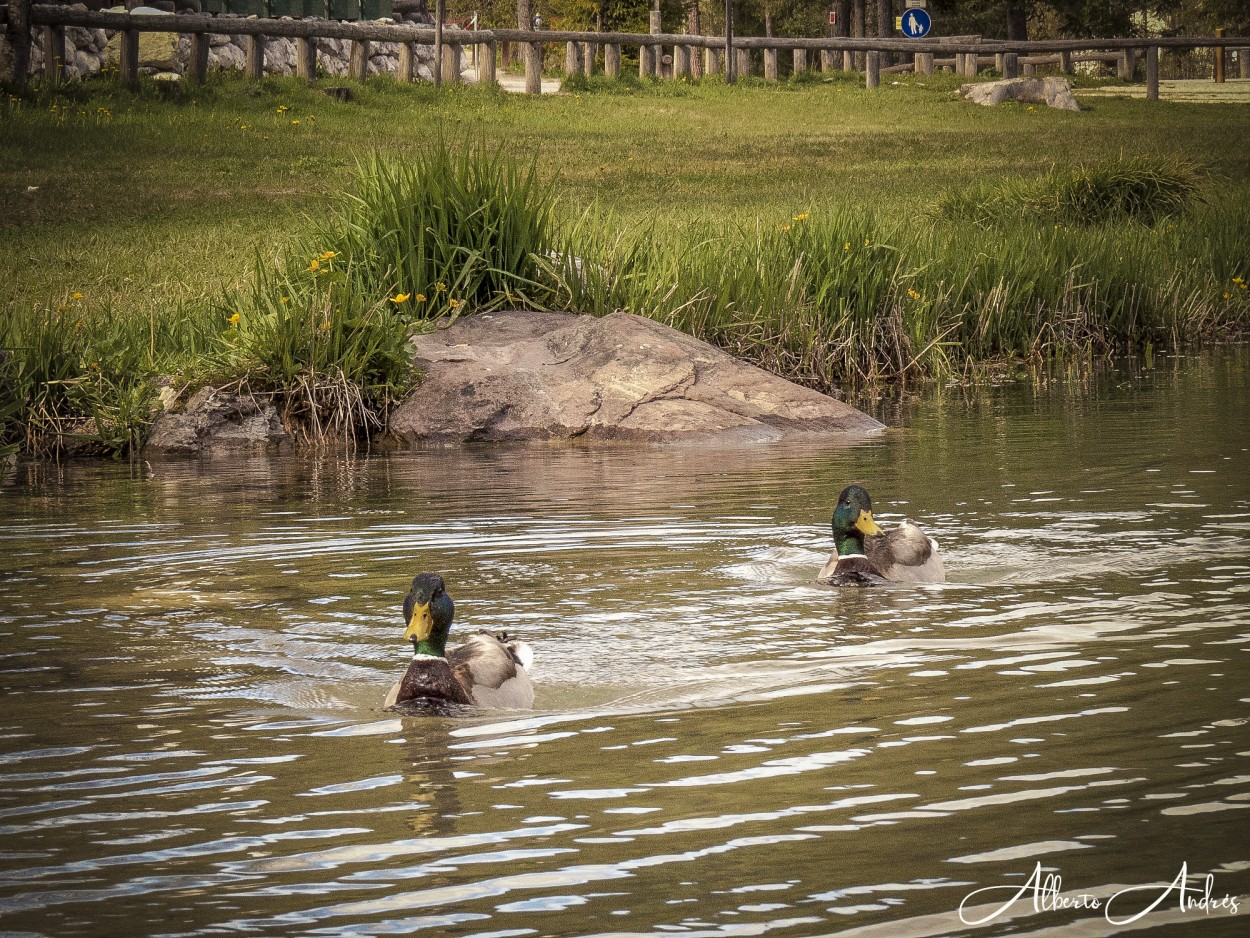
(537, 376)
(214, 420)
(1053, 92)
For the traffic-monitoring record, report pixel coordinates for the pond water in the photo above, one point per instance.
(194, 657)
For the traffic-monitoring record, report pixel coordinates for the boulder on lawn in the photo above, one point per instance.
(1053, 92)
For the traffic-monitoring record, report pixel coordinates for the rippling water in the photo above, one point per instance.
(194, 655)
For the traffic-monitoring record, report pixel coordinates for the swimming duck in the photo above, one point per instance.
(488, 670)
(868, 555)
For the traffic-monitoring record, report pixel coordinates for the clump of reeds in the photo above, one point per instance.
(1141, 190)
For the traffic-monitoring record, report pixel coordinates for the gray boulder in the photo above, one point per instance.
(1053, 92)
(542, 376)
(214, 419)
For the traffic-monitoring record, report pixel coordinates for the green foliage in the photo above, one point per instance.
(335, 358)
(452, 229)
(74, 381)
(1141, 190)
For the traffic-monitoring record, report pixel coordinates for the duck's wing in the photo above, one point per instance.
(906, 555)
(493, 671)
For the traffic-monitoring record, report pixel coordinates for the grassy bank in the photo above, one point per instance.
(832, 234)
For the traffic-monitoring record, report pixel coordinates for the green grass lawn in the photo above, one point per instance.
(150, 201)
(154, 205)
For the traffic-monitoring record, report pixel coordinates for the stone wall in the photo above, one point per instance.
(89, 51)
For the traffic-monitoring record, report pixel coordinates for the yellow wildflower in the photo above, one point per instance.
(454, 304)
(78, 296)
(314, 265)
(234, 320)
(847, 246)
(1228, 296)
(913, 294)
(785, 227)
(284, 300)
(440, 287)
(400, 297)
(295, 123)
(282, 108)
(803, 216)
(419, 298)
(328, 255)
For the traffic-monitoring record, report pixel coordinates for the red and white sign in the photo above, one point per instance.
(833, 17)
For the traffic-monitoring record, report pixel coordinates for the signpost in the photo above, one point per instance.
(915, 23)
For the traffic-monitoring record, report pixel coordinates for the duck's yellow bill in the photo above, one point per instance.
(420, 625)
(865, 525)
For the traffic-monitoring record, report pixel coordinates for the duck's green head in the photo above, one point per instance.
(428, 612)
(852, 520)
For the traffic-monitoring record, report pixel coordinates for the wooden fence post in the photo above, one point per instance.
(743, 64)
(54, 53)
(800, 61)
(452, 62)
(572, 58)
(129, 65)
(848, 61)
(254, 56)
(589, 51)
(1011, 65)
(924, 63)
(1127, 64)
(711, 63)
(1219, 58)
(826, 61)
(872, 70)
(681, 61)
(405, 66)
(1243, 61)
(645, 68)
(17, 30)
(305, 56)
(533, 68)
(1065, 62)
(612, 60)
(358, 60)
(1152, 73)
(197, 65)
(486, 63)
(770, 65)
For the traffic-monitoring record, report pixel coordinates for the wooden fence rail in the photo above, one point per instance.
(969, 52)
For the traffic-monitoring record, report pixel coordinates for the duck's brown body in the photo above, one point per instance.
(488, 670)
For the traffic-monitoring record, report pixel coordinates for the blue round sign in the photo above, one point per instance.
(916, 23)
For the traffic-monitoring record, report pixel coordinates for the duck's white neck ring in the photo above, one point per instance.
(852, 556)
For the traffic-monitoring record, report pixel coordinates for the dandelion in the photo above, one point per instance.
(401, 297)
(804, 216)
(233, 320)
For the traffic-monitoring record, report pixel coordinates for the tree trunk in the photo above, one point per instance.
(1017, 20)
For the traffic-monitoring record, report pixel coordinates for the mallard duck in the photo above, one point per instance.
(866, 554)
(488, 670)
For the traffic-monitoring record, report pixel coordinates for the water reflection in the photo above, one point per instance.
(195, 657)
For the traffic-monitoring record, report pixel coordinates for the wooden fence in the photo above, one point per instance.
(690, 55)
